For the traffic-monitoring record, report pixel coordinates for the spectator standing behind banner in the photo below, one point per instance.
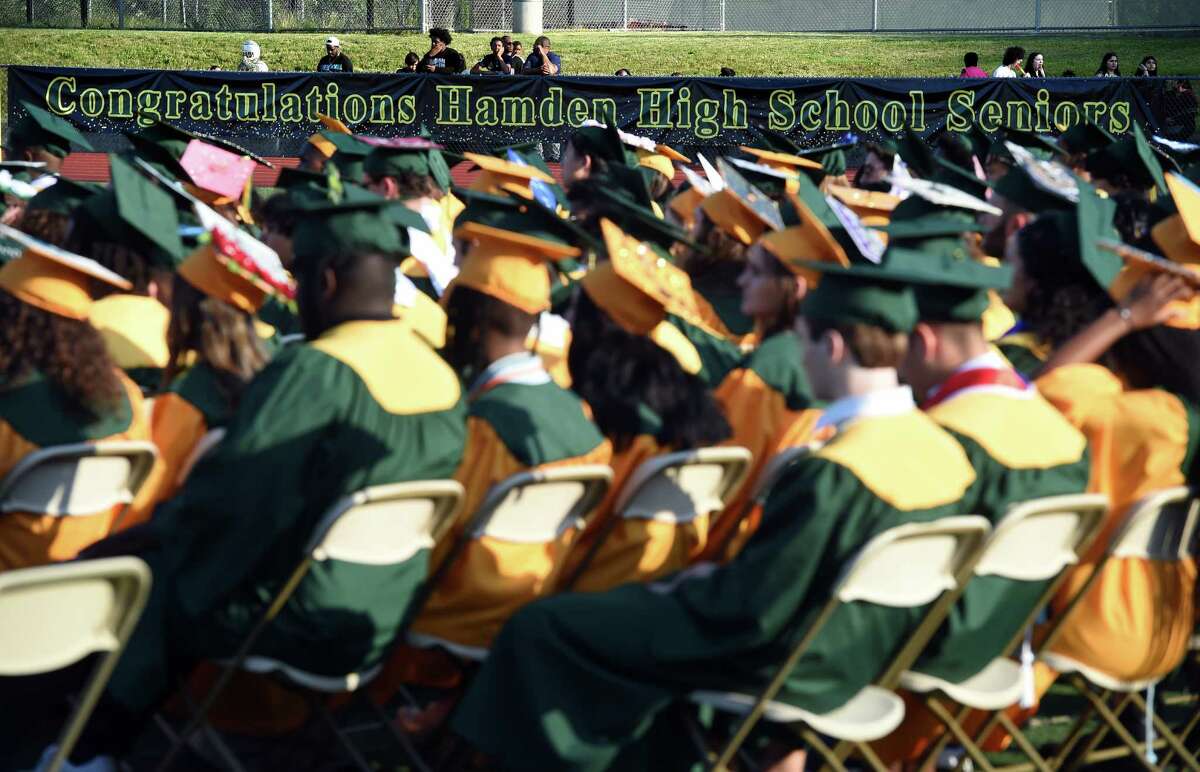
(542, 61)
(1035, 65)
(971, 68)
(494, 61)
(1110, 66)
(334, 60)
(1148, 67)
(252, 58)
(1010, 67)
(441, 57)
(411, 59)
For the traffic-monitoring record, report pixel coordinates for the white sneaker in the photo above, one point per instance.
(98, 764)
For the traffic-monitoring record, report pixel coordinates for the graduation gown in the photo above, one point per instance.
(518, 420)
(134, 328)
(367, 403)
(993, 415)
(575, 681)
(1136, 620)
(1024, 350)
(766, 399)
(34, 414)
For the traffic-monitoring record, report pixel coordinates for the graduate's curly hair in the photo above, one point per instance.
(68, 352)
(721, 260)
(223, 337)
(49, 226)
(615, 372)
(1063, 298)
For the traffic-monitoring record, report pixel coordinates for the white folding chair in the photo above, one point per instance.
(1035, 541)
(675, 488)
(380, 525)
(535, 507)
(770, 474)
(1160, 527)
(909, 566)
(206, 445)
(54, 616)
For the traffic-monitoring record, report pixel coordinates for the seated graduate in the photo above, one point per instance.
(216, 351)
(585, 681)
(47, 216)
(518, 418)
(364, 403)
(57, 386)
(132, 229)
(636, 371)
(972, 392)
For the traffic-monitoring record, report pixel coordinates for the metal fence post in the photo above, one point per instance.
(423, 15)
(164, 13)
(1037, 16)
(270, 15)
(874, 15)
(625, 14)
(120, 13)
(29, 11)
(722, 15)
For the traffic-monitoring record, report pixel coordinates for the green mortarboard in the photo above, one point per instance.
(949, 284)
(1038, 185)
(349, 154)
(64, 196)
(931, 197)
(955, 176)
(521, 216)
(137, 213)
(775, 141)
(915, 153)
(750, 197)
(861, 294)
(1184, 153)
(769, 180)
(42, 129)
(831, 157)
(628, 207)
(357, 222)
(983, 146)
(947, 222)
(1078, 255)
(1042, 146)
(292, 176)
(174, 140)
(1085, 137)
(1130, 155)
(406, 155)
(604, 142)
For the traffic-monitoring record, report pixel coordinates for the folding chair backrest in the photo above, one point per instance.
(53, 616)
(679, 487)
(913, 564)
(79, 479)
(207, 443)
(774, 469)
(387, 524)
(1159, 526)
(1037, 539)
(539, 506)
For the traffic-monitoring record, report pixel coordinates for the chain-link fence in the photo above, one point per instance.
(729, 15)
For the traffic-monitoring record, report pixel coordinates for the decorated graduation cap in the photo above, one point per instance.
(174, 140)
(775, 181)
(44, 129)
(1036, 184)
(637, 287)
(406, 155)
(740, 209)
(53, 279)
(873, 207)
(1085, 137)
(512, 241)
(1132, 156)
(64, 196)
(237, 270)
(930, 197)
(136, 213)
(321, 141)
(218, 176)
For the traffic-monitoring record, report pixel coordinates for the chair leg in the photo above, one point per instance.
(812, 740)
(1183, 735)
(318, 705)
(696, 734)
(870, 756)
(943, 715)
(1027, 747)
(402, 739)
(1175, 742)
(197, 722)
(1112, 720)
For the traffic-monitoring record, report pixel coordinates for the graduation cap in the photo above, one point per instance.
(783, 161)
(949, 284)
(349, 154)
(499, 176)
(407, 155)
(873, 207)
(661, 159)
(53, 279)
(293, 176)
(741, 210)
(1038, 185)
(320, 140)
(861, 293)
(832, 157)
(1085, 137)
(1079, 229)
(983, 146)
(952, 174)
(637, 287)
(1183, 153)
(772, 180)
(136, 213)
(175, 140)
(351, 220)
(64, 196)
(929, 197)
(628, 205)
(603, 142)
(1042, 146)
(916, 154)
(222, 176)
(1178, 236)
(512, 240)
(1131, 155)
(43, 129)
(234, 270)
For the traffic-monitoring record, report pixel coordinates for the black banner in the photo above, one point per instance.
(273, 113)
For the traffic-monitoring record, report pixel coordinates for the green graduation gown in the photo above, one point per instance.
(575, 681)
(366, 404)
